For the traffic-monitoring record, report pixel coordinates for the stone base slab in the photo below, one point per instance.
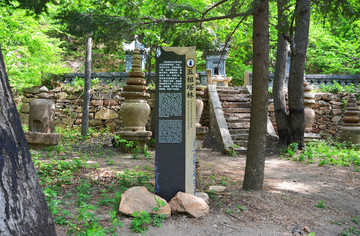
(200, 133)
(138, 137)
(350, 133)
(311, 137)
(42, 138)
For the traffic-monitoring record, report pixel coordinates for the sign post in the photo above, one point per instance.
(175, 115)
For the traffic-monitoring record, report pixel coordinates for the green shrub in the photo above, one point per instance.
(29, 53)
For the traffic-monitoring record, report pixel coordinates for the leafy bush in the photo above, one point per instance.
(332, 88)
(331, 53)
(29, 53)
(336, 88)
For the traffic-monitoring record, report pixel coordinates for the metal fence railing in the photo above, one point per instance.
(118, 78)
(317, 79)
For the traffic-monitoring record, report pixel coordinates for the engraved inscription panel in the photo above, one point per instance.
(170, 104)
(170, 75)
(170, 131)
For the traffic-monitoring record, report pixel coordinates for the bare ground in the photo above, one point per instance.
(285, 207)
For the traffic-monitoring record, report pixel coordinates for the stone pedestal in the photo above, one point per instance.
(41, 121)
(309, 100)
(135, 110)
(311, 137)
(350, 130)
(200, 130)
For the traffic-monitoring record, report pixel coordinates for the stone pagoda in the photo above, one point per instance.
(135, 110)
(350, 129)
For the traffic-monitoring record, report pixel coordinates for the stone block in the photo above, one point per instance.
(319, 112)
(28, 95)
(336, 97)
(95, 122)
(349, 133)
(332, 127)
(61, 96)
(322, 127)
(110, 103)
(68, 121)
(335, 103)
(316, 105)
(77, 102)
(336, 112)
(323, 103)
(42, 138)
(271, 108)
(25, 108)
(57, 89)
(317, 96)
(72, 97)
(96, 103)
(31, 90)
(106, 114)
(326, 96)
(332, 131)
(27, 100)
(24, 118)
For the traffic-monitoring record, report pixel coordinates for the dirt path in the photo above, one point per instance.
(285, 207)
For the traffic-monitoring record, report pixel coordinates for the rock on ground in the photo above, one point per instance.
(187, 203)
(138, 199)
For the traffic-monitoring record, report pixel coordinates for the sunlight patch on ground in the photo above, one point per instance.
(293, 187)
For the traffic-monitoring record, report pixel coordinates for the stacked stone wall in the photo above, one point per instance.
(104, 106)
(329, 109)
(106, 100)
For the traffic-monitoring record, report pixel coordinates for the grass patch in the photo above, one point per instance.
(327, 153)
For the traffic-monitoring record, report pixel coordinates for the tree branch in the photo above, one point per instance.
(175, 21)
(212, 7)
(228, 39)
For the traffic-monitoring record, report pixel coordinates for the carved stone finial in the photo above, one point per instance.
(136, 61)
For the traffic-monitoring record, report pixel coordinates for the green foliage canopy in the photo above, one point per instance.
(29, 52)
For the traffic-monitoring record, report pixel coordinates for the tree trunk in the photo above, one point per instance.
(23, 207)
(281, 114)
(297, 70)
(86, 101)
(255, 161)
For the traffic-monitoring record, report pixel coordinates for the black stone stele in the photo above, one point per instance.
(175, 123)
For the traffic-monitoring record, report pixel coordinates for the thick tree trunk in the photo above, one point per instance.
(23, 209)
(86, 101)
(281, 114)
(255, 161)
(297, 70)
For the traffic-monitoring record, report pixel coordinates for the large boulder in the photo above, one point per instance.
(138, 199)
(187, 203)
